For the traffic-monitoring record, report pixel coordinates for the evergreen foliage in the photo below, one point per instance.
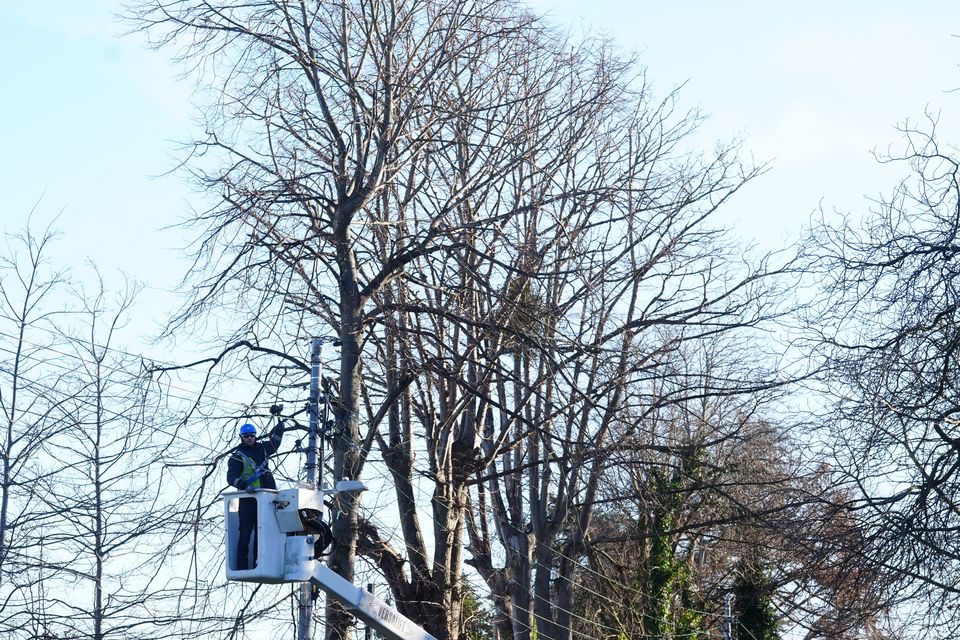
(756, 618)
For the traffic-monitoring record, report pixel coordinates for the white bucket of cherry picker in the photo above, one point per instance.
(282, 549)
(265, 551)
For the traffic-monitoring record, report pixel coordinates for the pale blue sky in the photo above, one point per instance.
(814, 87)
(88, 116)
(88, 119)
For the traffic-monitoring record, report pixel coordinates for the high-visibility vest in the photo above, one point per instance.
(251, 472)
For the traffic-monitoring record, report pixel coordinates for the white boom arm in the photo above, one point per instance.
(367, 607)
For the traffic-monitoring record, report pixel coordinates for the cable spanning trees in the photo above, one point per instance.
(515, 249)
(886, 329)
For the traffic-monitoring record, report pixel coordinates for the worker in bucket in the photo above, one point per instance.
(248, 470)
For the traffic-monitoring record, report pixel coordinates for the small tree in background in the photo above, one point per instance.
(753, 590)
(30, 295)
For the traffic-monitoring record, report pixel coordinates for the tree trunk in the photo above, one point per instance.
(347, 442)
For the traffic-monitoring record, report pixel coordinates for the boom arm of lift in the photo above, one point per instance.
(367, 607)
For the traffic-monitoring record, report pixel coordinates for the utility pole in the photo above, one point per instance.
(368, 629)
(728, 617)
(305, 628)
(362, 604)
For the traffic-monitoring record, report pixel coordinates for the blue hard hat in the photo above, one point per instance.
(248, 429)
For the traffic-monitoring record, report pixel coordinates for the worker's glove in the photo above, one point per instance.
(276, 409)
(241, 484)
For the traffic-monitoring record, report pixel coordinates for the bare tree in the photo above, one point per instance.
(335, 121)
(89, 505)
(618, 291)
(512, 227)
(115, 510)
(457, 324)
(29, 290)
(885, 333)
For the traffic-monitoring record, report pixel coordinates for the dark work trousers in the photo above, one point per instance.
(247, 513)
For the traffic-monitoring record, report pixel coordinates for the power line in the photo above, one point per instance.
(87, 401)
(82, 358)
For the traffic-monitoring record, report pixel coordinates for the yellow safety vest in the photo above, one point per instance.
(249, 471)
